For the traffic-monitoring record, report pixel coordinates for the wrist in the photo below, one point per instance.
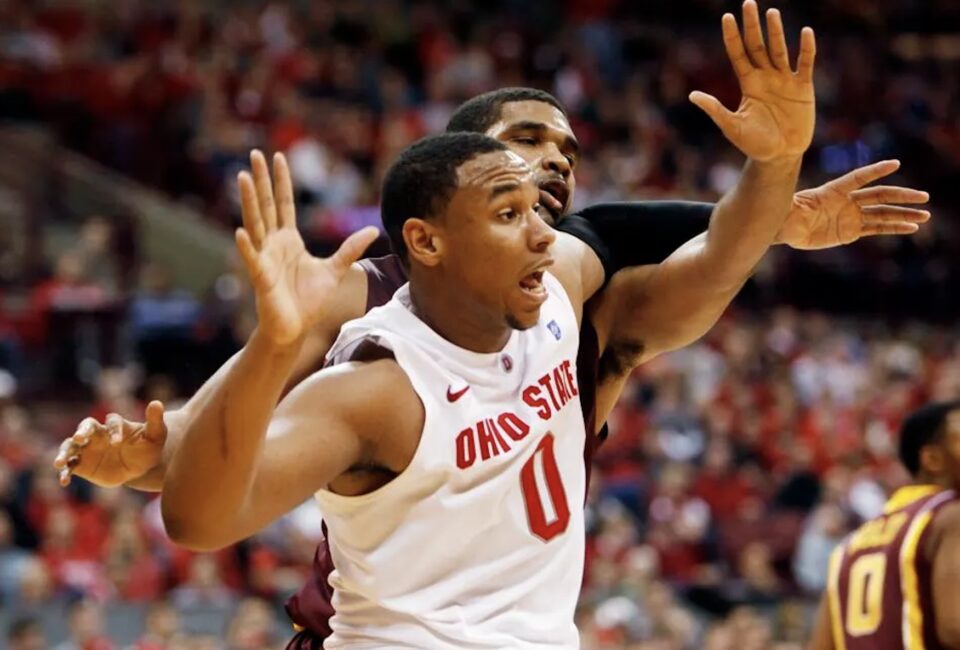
(265, 344)
(780, 164)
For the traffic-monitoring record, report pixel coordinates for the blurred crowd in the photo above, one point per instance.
(733, 467)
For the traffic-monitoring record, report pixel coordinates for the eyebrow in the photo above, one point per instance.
(503, 188)
(569, 142)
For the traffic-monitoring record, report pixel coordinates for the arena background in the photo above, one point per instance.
(734, 466)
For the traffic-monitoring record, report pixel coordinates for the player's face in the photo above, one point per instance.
(498, 246)
(541, 135)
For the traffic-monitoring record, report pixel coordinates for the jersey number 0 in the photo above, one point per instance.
(544, 459)
(865, 595)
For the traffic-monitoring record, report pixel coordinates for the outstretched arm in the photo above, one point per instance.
(243, 463)
(214, 485)
(839, 212)
(136, 454)
(659, 308)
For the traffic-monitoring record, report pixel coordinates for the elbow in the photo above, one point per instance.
(190, 531)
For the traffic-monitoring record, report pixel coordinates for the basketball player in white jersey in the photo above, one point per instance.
(445, 444)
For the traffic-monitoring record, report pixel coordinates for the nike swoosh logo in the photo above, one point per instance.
(453, 397)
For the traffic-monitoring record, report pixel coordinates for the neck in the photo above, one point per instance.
(454, 316)
(923, 478)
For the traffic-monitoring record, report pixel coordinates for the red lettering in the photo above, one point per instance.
(466, 449)
(545, 382)
(513, 425)
(531, 397)
(558, 381)
(536, 514)
(501, 443)
(486, 442)
(571, 382)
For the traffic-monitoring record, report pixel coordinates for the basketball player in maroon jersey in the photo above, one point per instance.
(894, 584)
(534, 125)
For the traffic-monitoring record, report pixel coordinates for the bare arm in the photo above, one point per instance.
(578, 268)
(231, 477)
(946, 576)
(213, 492)
(822, 639)
(349, 303)
(657, 308)
(296, 294)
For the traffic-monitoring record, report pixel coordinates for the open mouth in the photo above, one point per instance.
(553, 196)
(532, 284)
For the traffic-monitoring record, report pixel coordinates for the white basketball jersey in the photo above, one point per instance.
(479, 543)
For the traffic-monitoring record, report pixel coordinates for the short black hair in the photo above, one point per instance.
(422, 179)
(478, 114)
(921, 428)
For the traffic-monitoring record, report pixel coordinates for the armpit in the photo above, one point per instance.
(620, 357)
(364, 350)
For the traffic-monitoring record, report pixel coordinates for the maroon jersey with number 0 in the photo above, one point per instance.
(879, 588)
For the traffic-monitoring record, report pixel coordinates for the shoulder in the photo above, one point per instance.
(945, 525)
(384, 275)
(371, 393)
(578, 269)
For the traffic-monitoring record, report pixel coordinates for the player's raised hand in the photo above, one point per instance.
(776, 114)
(115, 452)
(292, 287)
(843, 210)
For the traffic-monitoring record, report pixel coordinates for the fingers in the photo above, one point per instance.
(353, 247)
(808, 52)
(114, 426)
(63, 454)
(880, 194)
(722, 117)
(734, 46)
(778, 41)
(874, 229)
(248, 253)
(893, 213)
(67, 458)
(155, 429)
(85, 431)
(753, 35)
(865, 175)
(286, 208)
(261, 180)
(250, 209)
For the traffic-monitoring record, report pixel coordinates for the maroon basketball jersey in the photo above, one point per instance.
(879, 588)
(311, 608)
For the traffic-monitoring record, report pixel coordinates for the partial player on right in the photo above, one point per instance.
(894, 584)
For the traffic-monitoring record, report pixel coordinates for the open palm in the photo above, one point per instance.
(776, 114)
(293, 288)
(844, 210)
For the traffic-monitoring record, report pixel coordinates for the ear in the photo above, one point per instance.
(932, 460)
(423, 240)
